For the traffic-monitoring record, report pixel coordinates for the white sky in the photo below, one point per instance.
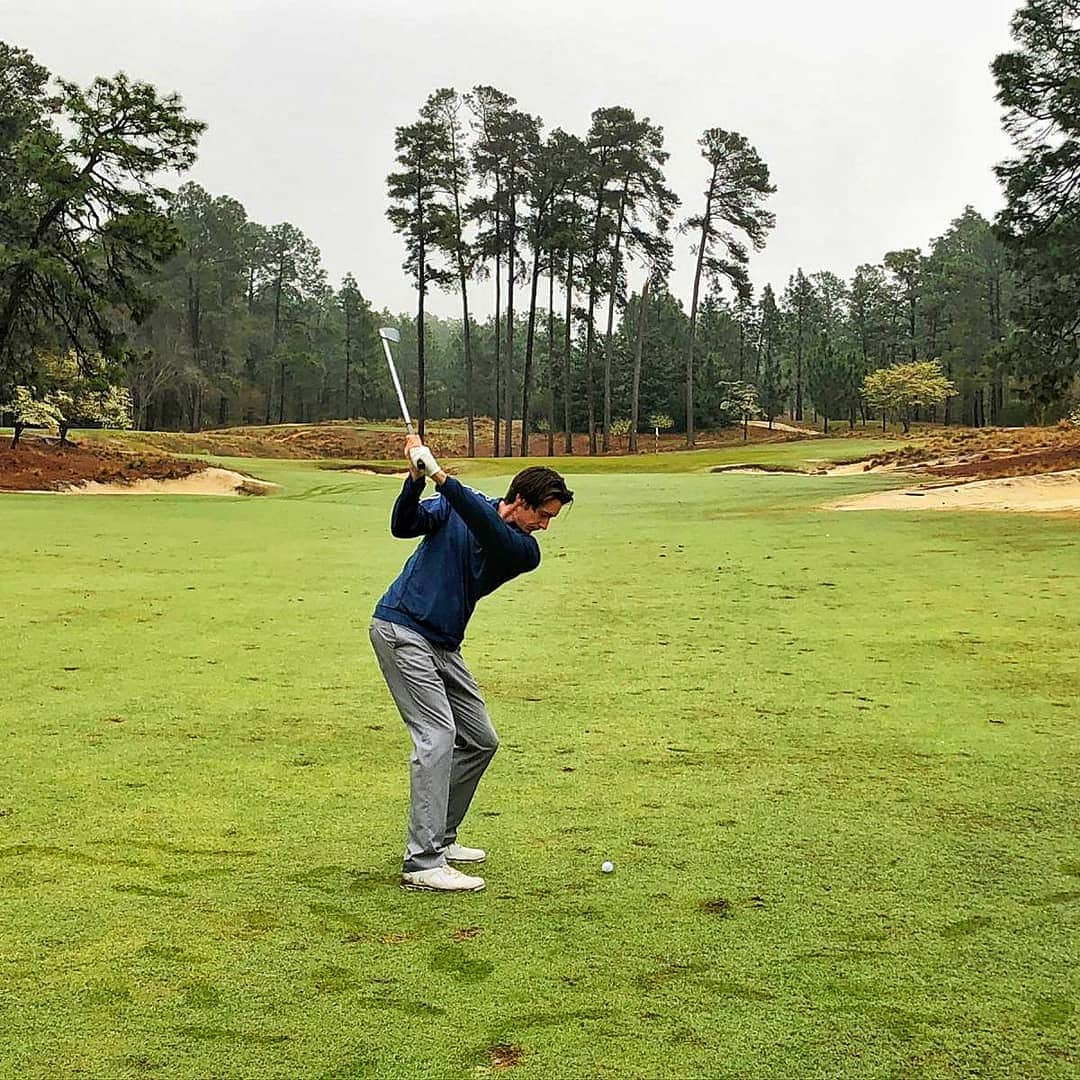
(877, 119)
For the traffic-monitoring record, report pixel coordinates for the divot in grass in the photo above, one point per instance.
(505, 1056)
(719, 906)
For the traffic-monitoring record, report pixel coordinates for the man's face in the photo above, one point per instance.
(531, 518)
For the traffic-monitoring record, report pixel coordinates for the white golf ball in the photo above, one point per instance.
(607, 867)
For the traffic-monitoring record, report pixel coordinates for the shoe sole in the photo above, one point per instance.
(409, 887)
(467, 862)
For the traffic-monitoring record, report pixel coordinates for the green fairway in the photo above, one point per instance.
(834, 758)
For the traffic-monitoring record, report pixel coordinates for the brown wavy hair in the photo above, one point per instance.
(537, 484)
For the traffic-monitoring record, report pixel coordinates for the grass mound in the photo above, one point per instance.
(364, 440)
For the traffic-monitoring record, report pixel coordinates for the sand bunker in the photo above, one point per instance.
(1057, 492)
(758, 470)
(777, 426)
(850, 469)
(858, 468)
(205, 482)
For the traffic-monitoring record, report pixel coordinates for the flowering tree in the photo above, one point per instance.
(81, 394)
(108, 408)
(29, 411)
(903, 387)
(741, 400)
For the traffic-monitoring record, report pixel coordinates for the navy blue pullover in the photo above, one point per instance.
(468, 551)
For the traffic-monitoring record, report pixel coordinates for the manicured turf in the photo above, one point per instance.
(834, 758)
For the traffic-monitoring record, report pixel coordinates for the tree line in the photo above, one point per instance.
(210, 319)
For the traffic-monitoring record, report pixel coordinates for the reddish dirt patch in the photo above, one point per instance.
(989, 453)
(467, 932)
(36, 465)
(505, 1056)
(994, 466)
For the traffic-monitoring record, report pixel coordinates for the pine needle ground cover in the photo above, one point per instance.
(834, 758)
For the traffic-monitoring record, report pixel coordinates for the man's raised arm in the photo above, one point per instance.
(511, 547)
(410, 517)
(507, 544)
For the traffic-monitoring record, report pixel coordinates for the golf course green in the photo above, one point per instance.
(833, 757)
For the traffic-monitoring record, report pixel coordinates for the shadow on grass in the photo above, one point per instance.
(66, 854)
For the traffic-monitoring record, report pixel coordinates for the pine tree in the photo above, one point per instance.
(735, 192)
(1040, 225)
(419, 214)
(444, 107)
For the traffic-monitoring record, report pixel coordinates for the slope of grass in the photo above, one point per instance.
(381, 441)
(798, 455)
(833, 756)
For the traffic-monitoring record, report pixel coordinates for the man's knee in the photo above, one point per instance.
(433, 739)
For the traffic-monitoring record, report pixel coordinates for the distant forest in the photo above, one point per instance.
(211, 319)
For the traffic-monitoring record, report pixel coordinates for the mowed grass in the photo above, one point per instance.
(834, 758)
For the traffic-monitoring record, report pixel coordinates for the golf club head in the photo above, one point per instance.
(390, 333)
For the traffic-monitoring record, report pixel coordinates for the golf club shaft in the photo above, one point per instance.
(397, 387)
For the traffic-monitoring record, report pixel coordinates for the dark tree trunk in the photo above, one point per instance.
(798, 365)
(605, 443)
(470, 407)
(498, 323)
(348, 358)
(568, 419)
(530, 338)
(590, 326)
(703, 244)
(639, 344)
(551, 354)
(508, 389)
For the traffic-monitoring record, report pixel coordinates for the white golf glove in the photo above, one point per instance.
(424, 460)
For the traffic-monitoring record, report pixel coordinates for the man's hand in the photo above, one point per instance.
(411, 443)
(423, 461)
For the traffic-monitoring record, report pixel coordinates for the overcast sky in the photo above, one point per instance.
(877, 119)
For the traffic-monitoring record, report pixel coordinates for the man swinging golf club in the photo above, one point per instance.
(471, 546)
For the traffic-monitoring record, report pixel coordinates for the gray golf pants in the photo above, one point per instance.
(453, 740)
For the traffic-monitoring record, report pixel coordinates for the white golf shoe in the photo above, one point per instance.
(459, 853)
(441, 879)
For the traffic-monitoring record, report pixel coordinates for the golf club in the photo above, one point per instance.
(388, 334)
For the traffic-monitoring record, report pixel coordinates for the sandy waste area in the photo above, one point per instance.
(1056, 492)
(210, 481)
